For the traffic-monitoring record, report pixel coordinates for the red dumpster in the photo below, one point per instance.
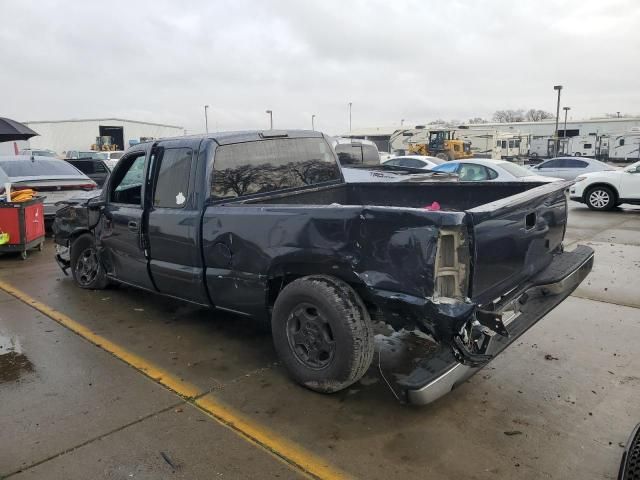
(24, 223)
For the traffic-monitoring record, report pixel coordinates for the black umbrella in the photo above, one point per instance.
(12, 130)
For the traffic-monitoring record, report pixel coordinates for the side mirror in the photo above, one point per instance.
(96, 202)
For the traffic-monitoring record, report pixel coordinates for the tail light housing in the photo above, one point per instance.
(452, 265)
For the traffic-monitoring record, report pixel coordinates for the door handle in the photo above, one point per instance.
(133, 226)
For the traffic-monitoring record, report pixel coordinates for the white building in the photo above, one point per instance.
(63, 135)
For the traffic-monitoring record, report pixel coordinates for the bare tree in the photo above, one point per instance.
(534, 115)
(476, 120)
(508, 116)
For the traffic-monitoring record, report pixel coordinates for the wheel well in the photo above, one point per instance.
(600, 184)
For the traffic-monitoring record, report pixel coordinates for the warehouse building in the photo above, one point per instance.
(63, 135)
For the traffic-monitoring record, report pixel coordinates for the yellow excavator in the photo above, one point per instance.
(437, 142)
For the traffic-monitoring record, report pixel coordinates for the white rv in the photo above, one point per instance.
(626, 146)
(495, 144)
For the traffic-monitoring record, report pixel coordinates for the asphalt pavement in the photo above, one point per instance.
(80, 396)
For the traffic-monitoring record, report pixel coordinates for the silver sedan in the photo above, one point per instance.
(569, 167)
(479, 170)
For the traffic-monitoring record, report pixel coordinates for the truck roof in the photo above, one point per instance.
(225, 138)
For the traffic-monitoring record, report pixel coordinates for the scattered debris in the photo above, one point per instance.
(139, 309)
(550, 357)
(178, 410)
(171, 464)
(511, 433)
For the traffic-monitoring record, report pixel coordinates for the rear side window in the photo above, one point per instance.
(370, 155)
(349, 154)
(576, 164)
(172, 186)
(271, 165)
(84, 166)
(551, 164)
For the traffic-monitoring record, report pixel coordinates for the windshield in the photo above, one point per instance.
(38, 168)
(515, 170)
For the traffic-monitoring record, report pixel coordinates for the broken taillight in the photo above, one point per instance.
(452, 265)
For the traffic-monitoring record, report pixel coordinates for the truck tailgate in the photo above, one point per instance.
(516, 237)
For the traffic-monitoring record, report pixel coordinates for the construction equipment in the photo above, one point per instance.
(436, 142)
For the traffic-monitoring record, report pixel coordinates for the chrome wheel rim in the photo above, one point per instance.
(599, 198)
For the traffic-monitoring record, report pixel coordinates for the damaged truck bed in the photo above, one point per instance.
(262, 224)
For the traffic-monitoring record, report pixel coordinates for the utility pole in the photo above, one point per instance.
(401, 121)
(566, 110)
(350, 117)
(313, 125)
(206, 119)
(559, 89)
(270, 112)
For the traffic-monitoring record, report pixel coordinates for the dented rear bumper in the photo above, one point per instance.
(449, 367)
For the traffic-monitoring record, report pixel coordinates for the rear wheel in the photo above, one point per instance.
(600, 198)
(322, 333)
(86, 268)
(578, 154)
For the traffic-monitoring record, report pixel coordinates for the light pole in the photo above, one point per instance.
(350, 117)
(566, 110)
(313, 125)
(559, 89)
(618, 114)
(270, 112)
(401, 121)
(206, 118)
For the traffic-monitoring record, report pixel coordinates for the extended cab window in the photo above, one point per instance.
(271, 165)
(172, 186)
(126, 186)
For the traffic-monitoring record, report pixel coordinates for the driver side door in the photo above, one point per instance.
(123, 242)
(630, 183)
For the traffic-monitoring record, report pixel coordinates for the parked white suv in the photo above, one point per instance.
(604, 190)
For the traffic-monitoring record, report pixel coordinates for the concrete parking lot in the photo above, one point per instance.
(124, 384)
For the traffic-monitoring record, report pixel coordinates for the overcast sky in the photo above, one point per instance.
(162, 61)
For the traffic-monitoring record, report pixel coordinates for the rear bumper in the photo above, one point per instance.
(548, 289)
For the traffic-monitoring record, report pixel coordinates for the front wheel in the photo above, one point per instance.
(322, 333)
(600, 198)
(443, 156)
(86, 268)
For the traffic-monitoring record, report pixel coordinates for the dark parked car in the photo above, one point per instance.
(262, 224)
(96, 170)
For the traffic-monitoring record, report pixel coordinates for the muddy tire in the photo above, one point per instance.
(322, 333)
(600, 198)
(86, 268)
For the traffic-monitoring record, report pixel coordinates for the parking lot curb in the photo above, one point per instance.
(287, 451)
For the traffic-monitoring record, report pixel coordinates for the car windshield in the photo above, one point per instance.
(515, 170)
(38, 168)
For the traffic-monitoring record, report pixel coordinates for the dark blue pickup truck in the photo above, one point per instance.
(262, 224)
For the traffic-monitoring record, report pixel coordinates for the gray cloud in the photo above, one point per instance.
(162, 61)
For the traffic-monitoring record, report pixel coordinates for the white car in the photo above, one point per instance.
(607, 189)
(414, 161)
(569, 167)
(478, 170)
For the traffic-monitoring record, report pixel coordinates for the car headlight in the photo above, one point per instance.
(580, 178)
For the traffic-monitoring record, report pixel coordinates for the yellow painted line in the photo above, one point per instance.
(282, 448)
